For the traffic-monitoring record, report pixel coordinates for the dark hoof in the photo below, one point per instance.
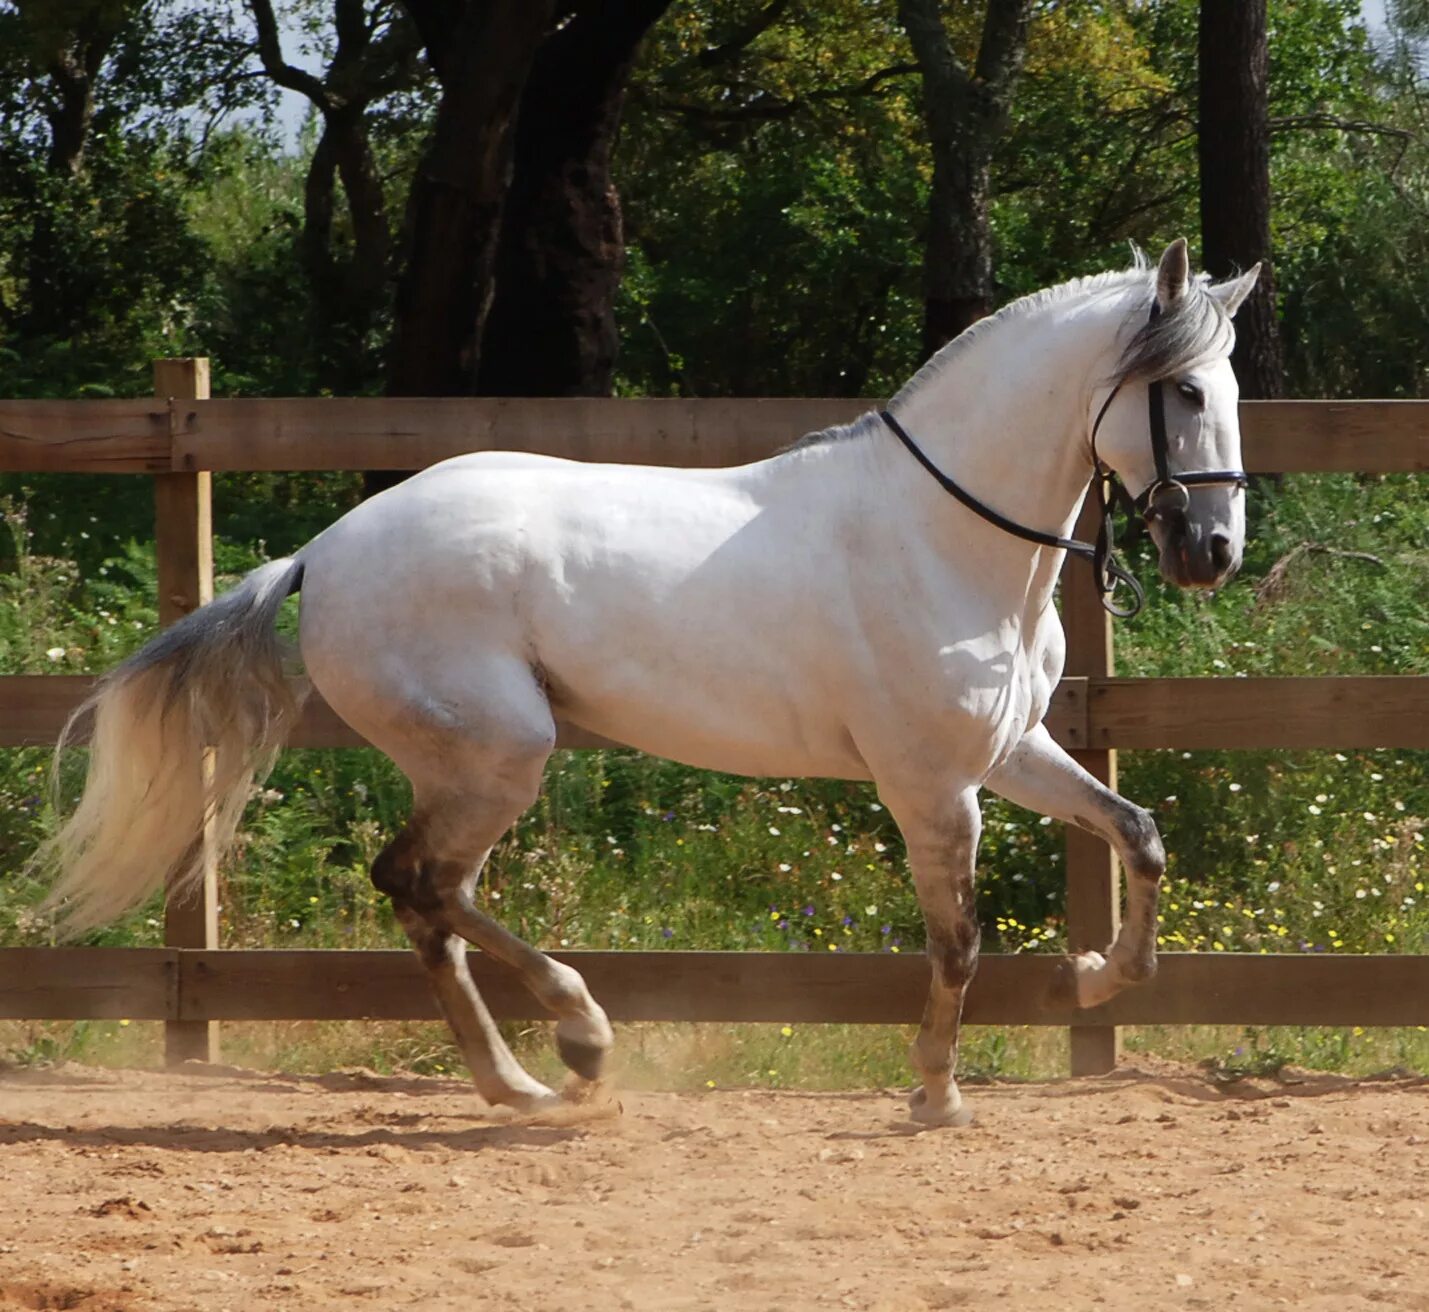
(586, 1059)
(1062, 991)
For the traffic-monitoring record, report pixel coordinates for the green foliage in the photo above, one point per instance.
(98, 273)
(773, 202)
(252, 311)
(805, 146)
(774, 190)
(100, 268)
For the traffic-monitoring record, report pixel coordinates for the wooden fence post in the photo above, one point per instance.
(1093, 874)
(183, 514)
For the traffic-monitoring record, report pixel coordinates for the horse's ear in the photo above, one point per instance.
(1231, 294)
(1173, 274)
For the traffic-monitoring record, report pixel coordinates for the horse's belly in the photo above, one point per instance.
(709, 748)
(739, 724)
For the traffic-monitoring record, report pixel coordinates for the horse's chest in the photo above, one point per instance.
(977, 698)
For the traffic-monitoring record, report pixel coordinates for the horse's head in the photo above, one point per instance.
(1169, 427)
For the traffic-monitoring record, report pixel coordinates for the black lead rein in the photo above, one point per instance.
(1110, 572)
(1167, 495)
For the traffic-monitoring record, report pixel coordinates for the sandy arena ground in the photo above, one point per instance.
(138, 1191)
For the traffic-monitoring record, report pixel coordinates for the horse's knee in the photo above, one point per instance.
(953, 948)
(563, 989)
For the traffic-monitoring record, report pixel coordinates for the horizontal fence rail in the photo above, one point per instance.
(1384, 710)
(150, 437)
(855, 987)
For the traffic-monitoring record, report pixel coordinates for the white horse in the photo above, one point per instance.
(829, 611)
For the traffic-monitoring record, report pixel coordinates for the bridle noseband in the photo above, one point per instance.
(1167, 496)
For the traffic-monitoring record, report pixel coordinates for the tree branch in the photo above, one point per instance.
(398, 49)
(350, 21)
(943, 73)
(270, 51)
(436, 22)
(743, 36)
(1297, 122)
(1277, 578)
(1004, 42)
(766, 107)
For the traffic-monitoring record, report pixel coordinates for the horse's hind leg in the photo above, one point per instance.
(498, 1076)
(438, 888)
(475, 766)
(1041, 776)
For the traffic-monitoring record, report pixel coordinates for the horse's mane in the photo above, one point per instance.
(1194, 329)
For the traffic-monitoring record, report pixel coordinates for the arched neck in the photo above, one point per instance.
(1004, 415)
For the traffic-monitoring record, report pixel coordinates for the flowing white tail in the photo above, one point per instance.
(213, 680)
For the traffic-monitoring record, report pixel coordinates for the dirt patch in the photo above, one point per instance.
(143, 1192)
(60, 1298)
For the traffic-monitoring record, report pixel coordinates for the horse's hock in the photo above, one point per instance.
(182, 436)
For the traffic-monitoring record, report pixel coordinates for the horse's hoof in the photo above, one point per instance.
(1084, 980)
(1097, 980)
(535, 1099)
(586, 1059)
(941, 1114)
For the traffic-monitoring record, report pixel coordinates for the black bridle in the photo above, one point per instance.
(1167, 496)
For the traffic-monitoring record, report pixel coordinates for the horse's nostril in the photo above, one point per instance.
(1221, 552)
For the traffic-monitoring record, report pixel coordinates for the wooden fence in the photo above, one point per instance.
(181, 437)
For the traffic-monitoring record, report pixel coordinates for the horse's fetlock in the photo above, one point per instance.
(564, 991)
(933, 1062)
(432, 944)
(1138, 970)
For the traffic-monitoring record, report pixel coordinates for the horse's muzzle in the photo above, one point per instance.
(1195, 558)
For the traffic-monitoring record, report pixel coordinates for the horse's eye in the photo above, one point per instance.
(1193, 394)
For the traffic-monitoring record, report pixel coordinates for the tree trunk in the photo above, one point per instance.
(957, 266)
(348, 294)
(68, 47)
(70, 113)
(315, 241)
(1233, 145)
(551, 330)
(70, 43)
(352, 152)
(966, 112)
(482, 54)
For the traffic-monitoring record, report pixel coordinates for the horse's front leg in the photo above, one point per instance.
(942, 836)
(1042, 777)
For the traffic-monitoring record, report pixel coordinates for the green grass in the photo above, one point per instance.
(1270, 851)
(685, 1058)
